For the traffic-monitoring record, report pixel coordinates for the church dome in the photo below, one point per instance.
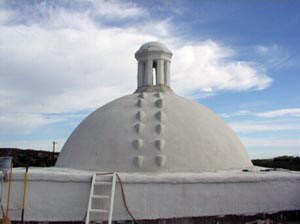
(153, 130)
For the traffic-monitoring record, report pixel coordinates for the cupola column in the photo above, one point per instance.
(167, 73)
(148, 73)
(160, 72)
(141, 69)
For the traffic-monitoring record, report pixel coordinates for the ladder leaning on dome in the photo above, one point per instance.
(101, 183)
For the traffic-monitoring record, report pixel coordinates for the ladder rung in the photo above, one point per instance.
(102, 183)
(101, 196)
(104, 175)
(98, 210)
(107, 179)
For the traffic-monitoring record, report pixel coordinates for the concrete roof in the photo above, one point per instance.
(153, 132)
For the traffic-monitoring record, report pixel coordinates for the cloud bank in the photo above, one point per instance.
(62, 57)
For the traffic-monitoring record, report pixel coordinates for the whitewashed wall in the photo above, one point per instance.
(62, 195)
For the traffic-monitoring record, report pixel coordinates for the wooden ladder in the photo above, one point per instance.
(101, 182)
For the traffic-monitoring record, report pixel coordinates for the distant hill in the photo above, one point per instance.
(285, 162)
(30, 157)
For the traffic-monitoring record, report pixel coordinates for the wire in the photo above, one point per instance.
(124, 199)
(24, 194)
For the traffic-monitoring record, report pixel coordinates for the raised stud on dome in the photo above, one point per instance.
(138, 160)
(139, 127)
(160, 160)
(160, 144)
(140, 103)
(154, 61)
(160, 128)
(158, 95)
(159, 103)
(137, 144)
(141, 95)
(140, 115)
(160, 115)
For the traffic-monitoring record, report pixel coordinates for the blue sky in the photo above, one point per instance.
(60, 60)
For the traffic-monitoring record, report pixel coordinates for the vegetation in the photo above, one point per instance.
(29, 157)
(285, 162)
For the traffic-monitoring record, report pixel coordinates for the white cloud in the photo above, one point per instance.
(280, 113)
(67, 61)
(207, 66)
(66, 69)
(270, 147)
(294, 112)
(275, 56)
(259, 142)
(159, 29)
(117, 9)
(264, 49)
(262, 126)
(238, 113)
(4, 15)
(23, 123)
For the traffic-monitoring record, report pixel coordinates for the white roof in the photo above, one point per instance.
(153, 131)
(154, 46)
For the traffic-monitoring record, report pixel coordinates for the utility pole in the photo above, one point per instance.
(53, 155)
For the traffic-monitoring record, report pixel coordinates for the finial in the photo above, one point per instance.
(154, 61)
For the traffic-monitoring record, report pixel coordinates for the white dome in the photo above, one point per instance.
(153, 129)
(153, 46)
(153, 132)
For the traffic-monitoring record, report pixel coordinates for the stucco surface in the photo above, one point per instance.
(153, 47)
(62, 194)
(153, 131)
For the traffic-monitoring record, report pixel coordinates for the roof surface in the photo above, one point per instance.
(154, 46)
(153, 131)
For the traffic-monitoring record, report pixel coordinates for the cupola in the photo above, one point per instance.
(154, 60)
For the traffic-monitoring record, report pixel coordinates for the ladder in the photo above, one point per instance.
(101, 194)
